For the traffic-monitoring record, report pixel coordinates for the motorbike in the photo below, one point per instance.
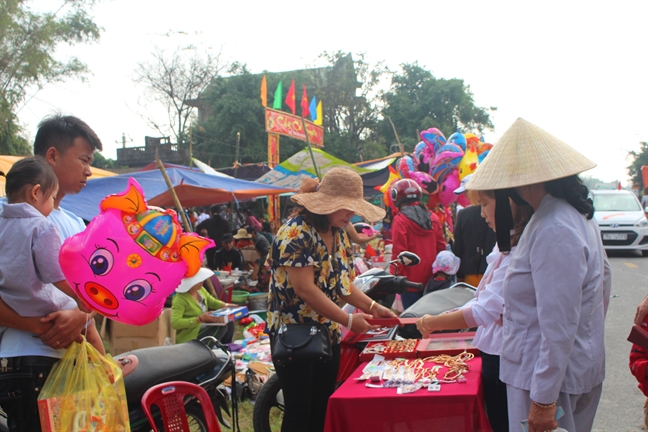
(377, 284)
(206, 363)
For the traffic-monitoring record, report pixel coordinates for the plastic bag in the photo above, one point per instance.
(84, 393)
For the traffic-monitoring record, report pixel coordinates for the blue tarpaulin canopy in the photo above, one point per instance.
(193, 189)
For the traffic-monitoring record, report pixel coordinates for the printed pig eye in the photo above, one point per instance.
(137, 290)
(101, 262)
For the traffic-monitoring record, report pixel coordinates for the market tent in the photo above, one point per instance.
(193, 189)
(290, 172)
(6, 162)
(378, 177)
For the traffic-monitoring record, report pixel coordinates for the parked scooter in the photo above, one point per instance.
(377, 284)
(194, 361)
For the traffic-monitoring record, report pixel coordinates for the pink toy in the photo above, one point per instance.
(446, 191)
(364, 228)
(130, 258)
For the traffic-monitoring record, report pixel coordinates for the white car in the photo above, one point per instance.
(622, 221)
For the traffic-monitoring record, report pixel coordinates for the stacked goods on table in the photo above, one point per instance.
(411, 374)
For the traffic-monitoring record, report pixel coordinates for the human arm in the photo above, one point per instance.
(438, 233)
(212, 302)
(447, 321)
(10, 318)
(66, 328)
(302, 279)
(182, 315)
(64, 286)
(458, 245)
(358, 238)
(363, 302)
(399, 242)
(642, 311)
(558, 287)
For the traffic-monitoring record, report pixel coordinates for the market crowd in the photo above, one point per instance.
(539, 308)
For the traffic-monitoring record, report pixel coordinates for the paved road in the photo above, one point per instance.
(621, 406)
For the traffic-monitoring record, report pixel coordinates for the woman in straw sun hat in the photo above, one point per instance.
(557, 285)
(309, 285)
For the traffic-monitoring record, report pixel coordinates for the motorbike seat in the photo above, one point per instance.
(182, 362)
(436, 303)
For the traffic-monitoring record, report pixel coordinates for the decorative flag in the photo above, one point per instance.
(304, 103)
(290, 97)
(320, 117)
(264, 92)
(313, 109)
(277, 98)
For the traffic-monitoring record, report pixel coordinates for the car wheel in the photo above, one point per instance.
(644, 253)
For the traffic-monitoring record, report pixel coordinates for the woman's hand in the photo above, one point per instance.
(207, 317)
(425, 325)
(542, 419)
(360, 324)
(380, 311)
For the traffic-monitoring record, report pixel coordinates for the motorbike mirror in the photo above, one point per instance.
(408, 258)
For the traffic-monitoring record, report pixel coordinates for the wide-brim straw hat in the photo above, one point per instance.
(188, 283)
(524, 155)
(242, 234)
(341, 188)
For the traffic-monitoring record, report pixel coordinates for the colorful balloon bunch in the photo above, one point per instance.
(438, 166)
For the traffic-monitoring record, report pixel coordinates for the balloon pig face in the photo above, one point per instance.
(130, 258)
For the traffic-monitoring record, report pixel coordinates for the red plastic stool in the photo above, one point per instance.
(169, 398)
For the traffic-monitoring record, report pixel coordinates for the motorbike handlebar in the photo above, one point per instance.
(407, 284)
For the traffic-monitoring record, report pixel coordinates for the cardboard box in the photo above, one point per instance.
(124, 337)
(230, 314)
(250, 255)
(447, 343)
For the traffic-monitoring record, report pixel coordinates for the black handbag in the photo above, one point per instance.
(301, 343)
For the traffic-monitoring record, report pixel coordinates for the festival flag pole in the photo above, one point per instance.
(178, 206)
(402, 150)
(310, 149)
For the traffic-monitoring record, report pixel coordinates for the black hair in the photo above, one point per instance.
(265, 227)
(317, 221)
(30, 171)
(572, 190)
(60, 131)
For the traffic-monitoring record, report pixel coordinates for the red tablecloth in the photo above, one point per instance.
(456, 408)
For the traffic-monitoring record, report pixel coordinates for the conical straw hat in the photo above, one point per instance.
(525, 155)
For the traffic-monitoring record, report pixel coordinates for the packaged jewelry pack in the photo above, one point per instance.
(390, 349)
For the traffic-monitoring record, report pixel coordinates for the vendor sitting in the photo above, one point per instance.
(228, 257)
(243, 238)
(191, 316)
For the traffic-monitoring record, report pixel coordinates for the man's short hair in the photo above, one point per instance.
(60, 131)
(214, 209)
(227, 237)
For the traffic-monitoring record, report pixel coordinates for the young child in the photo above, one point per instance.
(639, 368)
(28, 276)
(444, 267)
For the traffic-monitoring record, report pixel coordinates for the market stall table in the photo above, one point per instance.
(456, 407)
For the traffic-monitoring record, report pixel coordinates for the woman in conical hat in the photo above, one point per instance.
(557, 285)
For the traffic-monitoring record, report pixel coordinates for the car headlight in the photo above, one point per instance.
(642, 223)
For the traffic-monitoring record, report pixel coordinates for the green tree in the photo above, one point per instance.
(639, 158)
(417, 101)
(28, 42)
(349, 90)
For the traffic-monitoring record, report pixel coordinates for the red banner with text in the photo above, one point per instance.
(282, 123)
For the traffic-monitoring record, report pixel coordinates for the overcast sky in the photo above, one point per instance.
(578, 69)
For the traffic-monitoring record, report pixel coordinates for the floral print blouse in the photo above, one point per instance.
(297, 244)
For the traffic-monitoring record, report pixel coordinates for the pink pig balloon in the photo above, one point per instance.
(130, 258)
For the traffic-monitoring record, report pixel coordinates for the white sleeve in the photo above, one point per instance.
(489, 306)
